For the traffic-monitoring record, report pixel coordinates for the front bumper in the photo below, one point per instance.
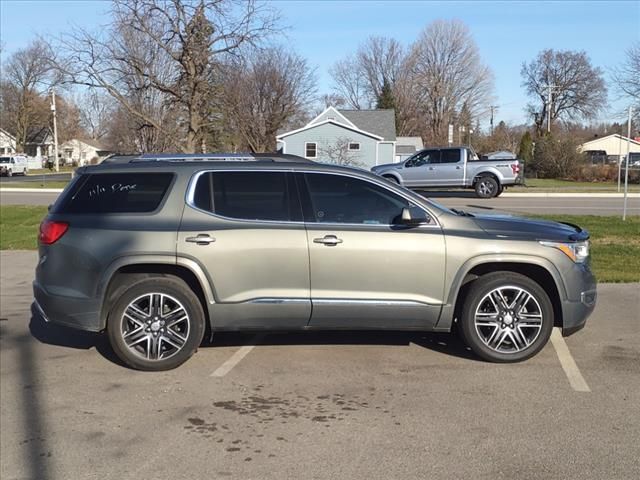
(78, 313)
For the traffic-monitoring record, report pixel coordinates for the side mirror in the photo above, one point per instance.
(413, 217)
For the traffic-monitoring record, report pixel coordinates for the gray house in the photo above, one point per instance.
(360, 138)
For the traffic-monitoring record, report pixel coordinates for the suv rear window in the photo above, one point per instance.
(248, 195)
(117, 193)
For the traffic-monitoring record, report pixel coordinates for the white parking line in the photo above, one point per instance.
(576, 380)
(236, 358)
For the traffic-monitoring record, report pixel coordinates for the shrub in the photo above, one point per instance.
(556, 157)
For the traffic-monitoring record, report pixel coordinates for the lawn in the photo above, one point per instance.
(615, 245)
(40, 184)
(19, 226)
(553, 185)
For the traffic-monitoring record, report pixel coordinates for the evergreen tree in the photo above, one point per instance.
(385, 99)
(525, 153)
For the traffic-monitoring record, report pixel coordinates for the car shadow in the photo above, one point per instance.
(62, 336)
(446, 193)
(445, 343)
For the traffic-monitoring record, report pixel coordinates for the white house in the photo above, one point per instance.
(82, 152)
(7, 142)
(615, 145)
(361, 138)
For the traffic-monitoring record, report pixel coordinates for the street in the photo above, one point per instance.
(465, 200)
(318, 405)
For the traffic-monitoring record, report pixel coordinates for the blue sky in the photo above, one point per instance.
(507, 32)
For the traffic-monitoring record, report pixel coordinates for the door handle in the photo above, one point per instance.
(458, 167)
(430, 168)
(329, 240)
(200, 239)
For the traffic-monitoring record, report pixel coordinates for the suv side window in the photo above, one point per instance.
(423, 158)
(342, 199)
(450, 156)
(248, 195)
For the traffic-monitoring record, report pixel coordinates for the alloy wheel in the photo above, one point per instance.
(155, 326)
(508, 319)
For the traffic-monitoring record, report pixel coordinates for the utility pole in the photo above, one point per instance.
(626, 170)
(492, 107)
(55, 130)
(549, 105)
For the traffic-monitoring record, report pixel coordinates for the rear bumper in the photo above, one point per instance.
(79, 313)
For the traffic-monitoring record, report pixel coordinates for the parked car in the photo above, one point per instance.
(156, 251)
(14, 164)
(452, 167)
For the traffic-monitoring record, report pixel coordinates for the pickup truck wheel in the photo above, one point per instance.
(486, 187)
(506, 317)
(157, 324)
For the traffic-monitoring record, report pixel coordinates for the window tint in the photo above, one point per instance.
(117, 193)
(247, 195)
(423, 158)
(340, 199)
(450, 156)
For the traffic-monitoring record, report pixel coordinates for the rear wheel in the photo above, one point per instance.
(487, 187)
(506, 317)
(157, 324)
(9, 173)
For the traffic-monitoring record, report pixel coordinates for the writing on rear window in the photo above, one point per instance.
(117, 193)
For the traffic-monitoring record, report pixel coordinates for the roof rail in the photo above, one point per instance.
(216, 157)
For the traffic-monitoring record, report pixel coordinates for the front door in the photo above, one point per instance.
(366, 270)
(418, 170)
(245, 229)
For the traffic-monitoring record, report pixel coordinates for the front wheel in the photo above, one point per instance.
(487, 187)
(157, 324)
(506, 317)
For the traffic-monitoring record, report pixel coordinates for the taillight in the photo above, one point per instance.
(516, 168)
(51, 231)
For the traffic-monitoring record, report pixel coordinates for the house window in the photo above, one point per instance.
(311, 150)
(354, 146)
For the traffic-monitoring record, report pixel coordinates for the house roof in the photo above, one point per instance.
(333, 122)
(12, 137)
(38, 135)
(381, 122)
(89, 141)
(615, 135)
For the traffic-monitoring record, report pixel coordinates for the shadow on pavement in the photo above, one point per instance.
(68, 337)
(445, 343)
(447, 194)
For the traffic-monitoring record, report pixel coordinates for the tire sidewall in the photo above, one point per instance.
(170, 286)
(485, 179)
(484, 285)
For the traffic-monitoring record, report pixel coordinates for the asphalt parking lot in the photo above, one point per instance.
(318, 405)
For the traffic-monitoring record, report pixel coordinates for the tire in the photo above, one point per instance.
(499, 192)
(145, 339)
(513, 334)
(25, 172)
(486, 187)
(392, 179)
(9, 173)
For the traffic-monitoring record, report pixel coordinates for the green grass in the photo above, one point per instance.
(554, 185)
(19, 226)
(615, 245)
(40, 184)
(46, 171)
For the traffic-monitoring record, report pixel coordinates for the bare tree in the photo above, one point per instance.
(96, 111)
(578, 88)
(266, 91)
(627, 77)
(338, 152)
(167, 54)
(449, 73)
(26, 77)
(360, 78)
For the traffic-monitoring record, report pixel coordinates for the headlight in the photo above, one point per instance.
(578, 251)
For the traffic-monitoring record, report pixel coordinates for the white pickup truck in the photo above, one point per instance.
(452, 167)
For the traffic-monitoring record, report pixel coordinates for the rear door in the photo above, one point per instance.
(449, 168)
(245, 229)
(366, 270)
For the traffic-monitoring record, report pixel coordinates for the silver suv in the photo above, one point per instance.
(159, 250)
